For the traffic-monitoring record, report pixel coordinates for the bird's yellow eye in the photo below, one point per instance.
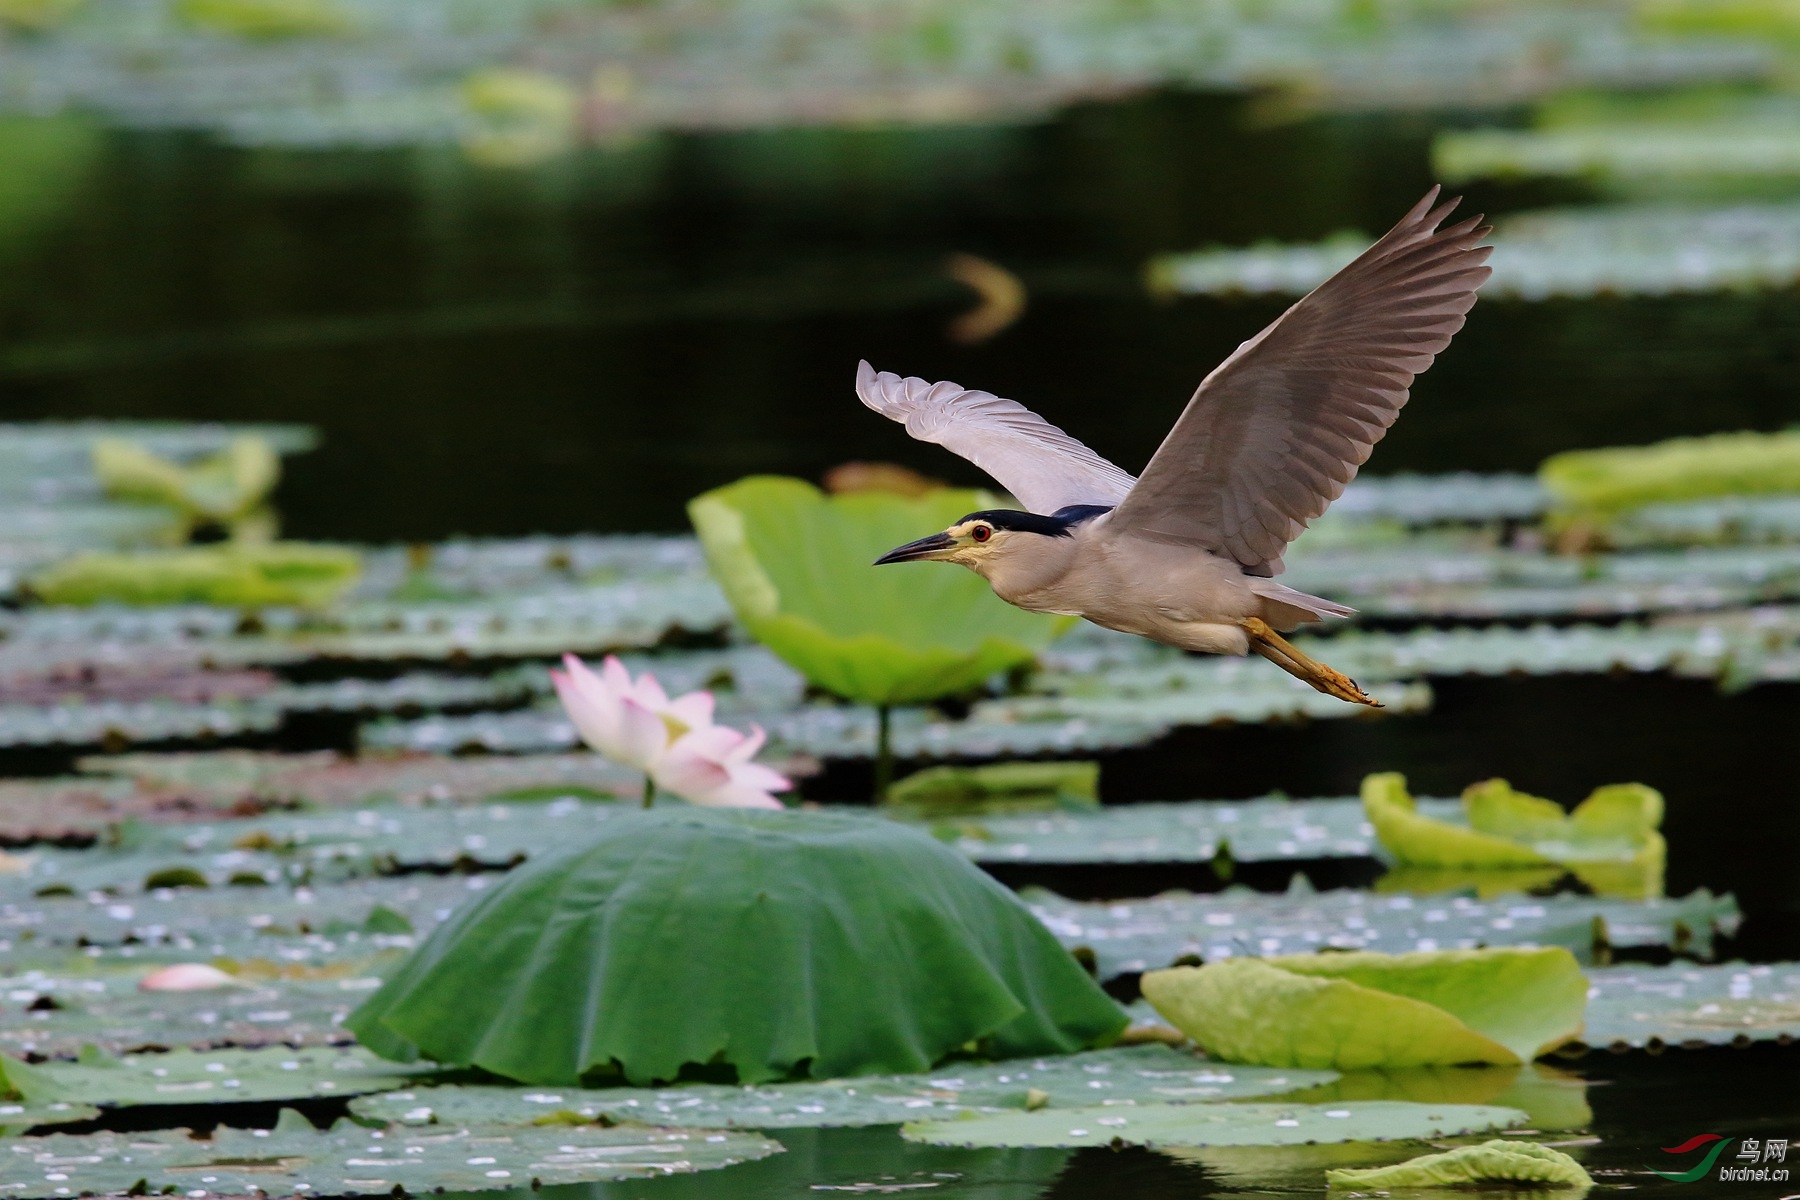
(981, 533)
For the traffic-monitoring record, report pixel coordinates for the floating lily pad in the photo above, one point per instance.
(1458, 496)
(1624, 250)
(334, 781)
(184, 1076)
(1192, 831)
(1550, 1099)
(1362, 1010)
(28, 1097)
(787, 909)
(1635, 141)
(1139, 935)
(790, 558)
(132, 721)
(1684, 1004)
(1123, 1076)
(104, 1008)
(1496, 1162)
(295, 1157)
(1159, 1125)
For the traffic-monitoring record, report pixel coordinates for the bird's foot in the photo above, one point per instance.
(1278, 650)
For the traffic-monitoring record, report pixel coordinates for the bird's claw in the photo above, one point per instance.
(1278, 650)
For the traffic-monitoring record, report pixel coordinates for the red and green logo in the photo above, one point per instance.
(1694, 1143)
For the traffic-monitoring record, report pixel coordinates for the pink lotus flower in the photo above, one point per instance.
(674, 742)
(631, 721)
(712, 767)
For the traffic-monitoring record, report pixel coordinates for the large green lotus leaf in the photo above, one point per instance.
(295, 1158)
(1493, 1162)
(1550, 1099)
(1158, 1125)
(772, 942)
(223, 1076)
(1121, 1075)
(797, 566)
(1355, 1010)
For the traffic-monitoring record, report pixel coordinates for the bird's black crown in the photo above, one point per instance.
(1060, 523)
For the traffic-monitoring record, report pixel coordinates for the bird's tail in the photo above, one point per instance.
(1286, 608)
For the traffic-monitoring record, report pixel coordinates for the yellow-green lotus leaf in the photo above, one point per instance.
(280, 573)
(1413, 838)
(220, 487)
(1497, 1161)
(1352, 1011)
(1610, 840)
(797, 566)
(1622, 477)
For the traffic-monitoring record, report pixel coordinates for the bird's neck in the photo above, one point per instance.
(1028, 574)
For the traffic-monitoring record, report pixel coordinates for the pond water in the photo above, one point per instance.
(585, 345)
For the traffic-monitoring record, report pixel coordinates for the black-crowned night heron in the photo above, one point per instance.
(1187, 554)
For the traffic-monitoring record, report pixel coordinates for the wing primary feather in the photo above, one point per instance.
(1279, 428)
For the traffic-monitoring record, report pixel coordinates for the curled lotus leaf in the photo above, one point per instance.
(793, 941)
(1613, 833)
(1492, 1162)
(796, 565)
(224, 486)
(1361, 1009)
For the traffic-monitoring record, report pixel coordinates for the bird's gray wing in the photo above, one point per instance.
(1275, 432)
(1043, 467)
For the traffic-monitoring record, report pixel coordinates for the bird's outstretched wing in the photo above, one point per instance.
(1043, 467)
(1275, 432)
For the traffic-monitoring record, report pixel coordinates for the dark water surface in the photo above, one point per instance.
(586, 345)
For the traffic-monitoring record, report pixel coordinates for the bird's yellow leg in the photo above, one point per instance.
(1278, 650)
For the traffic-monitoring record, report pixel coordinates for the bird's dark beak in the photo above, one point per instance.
(925, 547)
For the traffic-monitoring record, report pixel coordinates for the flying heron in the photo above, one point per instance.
(1187, 553)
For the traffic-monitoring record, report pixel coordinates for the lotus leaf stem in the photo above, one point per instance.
(884, 751)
